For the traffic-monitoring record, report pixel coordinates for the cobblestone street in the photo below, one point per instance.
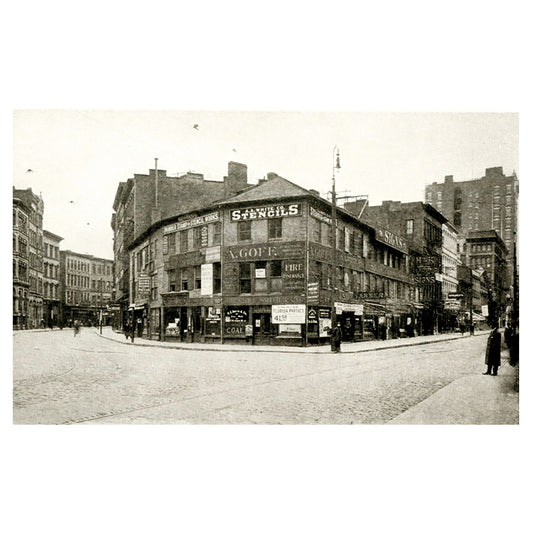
(62, 379)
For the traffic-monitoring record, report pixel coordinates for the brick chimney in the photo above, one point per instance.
(237, 178)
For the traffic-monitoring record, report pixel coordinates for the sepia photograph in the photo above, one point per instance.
(265, 267)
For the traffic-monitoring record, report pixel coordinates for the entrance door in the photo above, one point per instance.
(261, 325)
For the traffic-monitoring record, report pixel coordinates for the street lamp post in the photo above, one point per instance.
(101, 305)
(336, 167)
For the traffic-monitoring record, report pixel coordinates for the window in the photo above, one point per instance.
(439, 196)
(217, 285)
(245, 278)
(260, 276)
(196, 238)
(184, 279)
(409, 226)
(244, 230)
(327, 234)
(184, 241)
(317, 230)
(275, 276)
(217, 233)
(274, 228)
(197, 277)
(341, 238)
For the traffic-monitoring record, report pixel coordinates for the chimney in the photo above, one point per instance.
(237, 178)
(494, 172)
(314, 191)
(448, 179)
(272, 175)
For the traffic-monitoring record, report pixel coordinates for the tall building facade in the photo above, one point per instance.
(35, 209)
(487, 203)
(51, 279)
(86, 287)
(21, 284)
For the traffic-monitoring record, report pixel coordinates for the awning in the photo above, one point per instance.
(372, 308)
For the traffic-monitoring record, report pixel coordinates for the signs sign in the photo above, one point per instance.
(143, 285)
(370, 295)
(320, 215)
(288, 314)
(312, 292)
(387, 237)
(272, 211)
(212, 255)
(341, 307)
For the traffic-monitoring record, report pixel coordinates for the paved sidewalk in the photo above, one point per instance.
(470, 400)
(353, 347)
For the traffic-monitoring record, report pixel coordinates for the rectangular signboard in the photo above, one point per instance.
(207, 279)
(288, 314)
(192, 222)
(265, 212)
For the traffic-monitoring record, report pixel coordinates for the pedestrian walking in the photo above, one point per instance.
(131, 328)
(336, 334)
(492, 354)
(76, 327)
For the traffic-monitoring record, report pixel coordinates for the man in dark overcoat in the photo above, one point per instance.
(336, 335)
(492, 355)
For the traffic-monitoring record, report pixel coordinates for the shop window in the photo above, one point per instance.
(245, 279)
(275, 228)
(244, 230)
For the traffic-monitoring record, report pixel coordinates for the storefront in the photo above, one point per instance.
(350, 316)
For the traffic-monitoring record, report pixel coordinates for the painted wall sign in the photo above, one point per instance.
(293, 275)
(192, 222)
(249, 252)
(371, 295)
(212, 255)
(288, 314)
(271, 211)
(387, 237)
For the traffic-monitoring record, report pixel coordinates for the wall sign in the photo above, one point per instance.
(272, 211)
(293, 275)
(387, 237)
(249, 252)
(192, 222)
(288, 314)
(207, 279)
(320, 215)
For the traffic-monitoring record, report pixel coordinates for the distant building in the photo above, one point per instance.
(34, 208)
(86, 287)
(487, 203)
(51, 279)
(21, 284)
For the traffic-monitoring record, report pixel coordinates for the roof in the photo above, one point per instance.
(274, 188)
(51, 235)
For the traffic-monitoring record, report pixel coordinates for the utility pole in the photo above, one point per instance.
(336, 168)
(101, 306)
(471, 301)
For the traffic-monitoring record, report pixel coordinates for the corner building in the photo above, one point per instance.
(260, 267)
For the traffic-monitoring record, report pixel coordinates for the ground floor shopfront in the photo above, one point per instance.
(271, 320)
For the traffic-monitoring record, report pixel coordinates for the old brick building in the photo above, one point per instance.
(259, 267)
(146, 199)
(421, 226)
(21, 284)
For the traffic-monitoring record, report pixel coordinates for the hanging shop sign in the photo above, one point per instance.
(192, 222)
(265, 251)
(312, 316)
(387, 237)
(271, 211)
(293, 275)
(341, 307)
(288, 314)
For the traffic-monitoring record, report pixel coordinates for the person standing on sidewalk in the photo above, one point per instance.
(492, 354)
(336, 335)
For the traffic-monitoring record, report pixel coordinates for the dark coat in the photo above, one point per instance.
(336, 337)
(494, 346)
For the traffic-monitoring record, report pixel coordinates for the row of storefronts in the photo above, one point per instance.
(261, 268)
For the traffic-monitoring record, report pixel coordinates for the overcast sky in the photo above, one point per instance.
(77, 158)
